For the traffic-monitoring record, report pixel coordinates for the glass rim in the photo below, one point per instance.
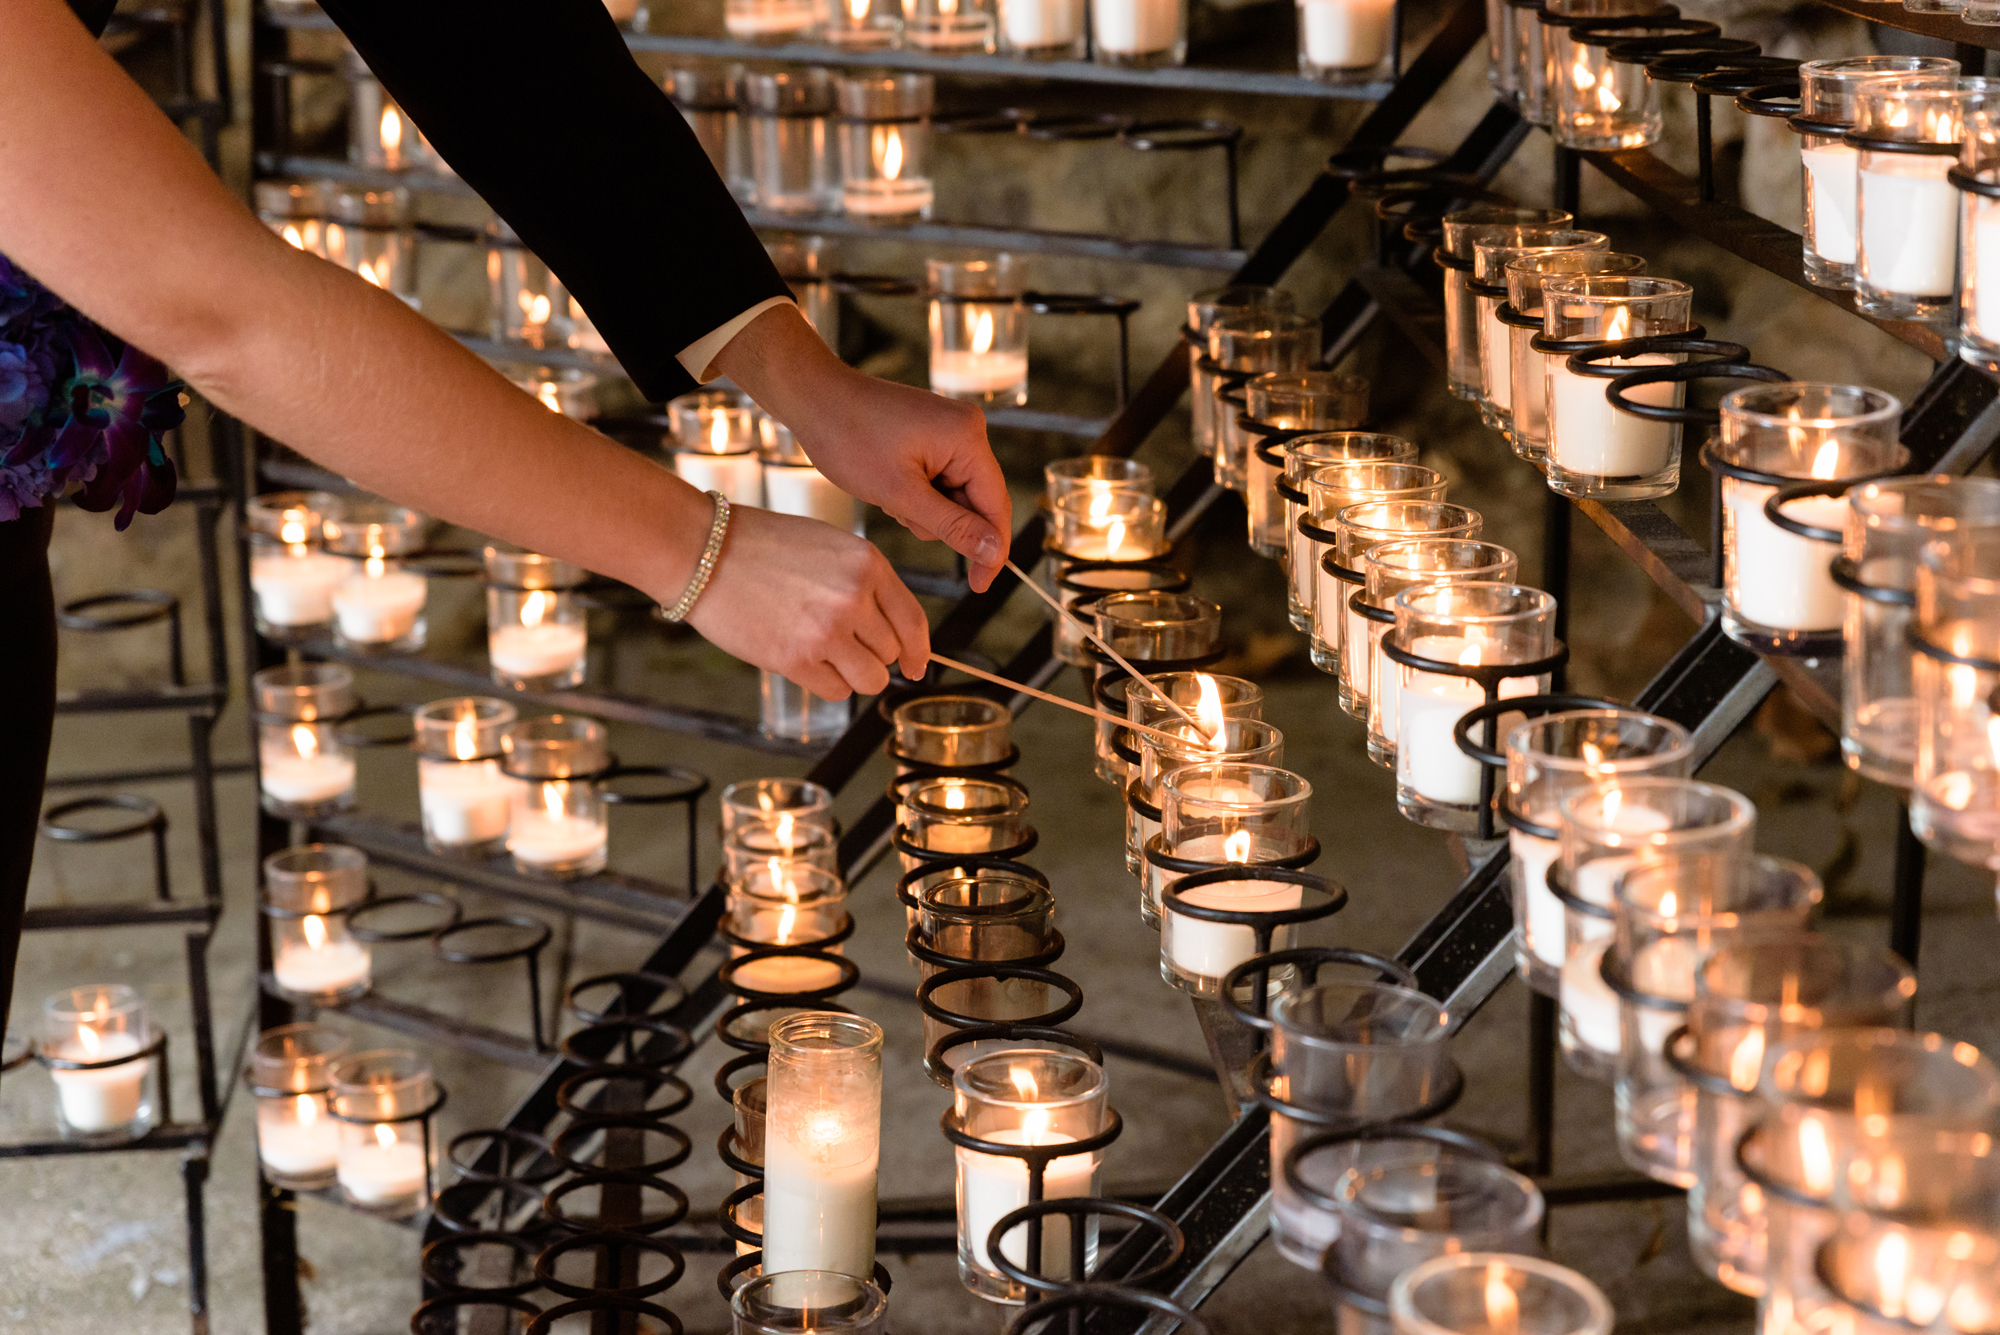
(1863, 499)
(1741, 811)
(1736, 404)
(1300, 448)
(1347, 520)
(1164, 603)
(1232, 730)
(1529, 1211)
(1422, 476)
(1933, 1051)
(830, 890)
(867, 1305)
(1899, 980)
(1099, 1088)
(1430, 1037)
(1387, 556)
(1535, 602)
(1606, 287)
(405, 1069)
(1682, 748)
(1403, 1294)
(116, 1000)
(819, 796)
(809, 1034)
(1125, 503)
(1299, 788)
(448, 714)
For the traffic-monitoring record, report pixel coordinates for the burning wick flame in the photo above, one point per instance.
(784, 839)
(1826, 461)
(1469, 656)
(306, 1108)
(535, 308)
(787, 918)
(954, 799)
(550, 397)
(1035, 1122)
(555, 798)
(392, 130)
(982, 332)
(535, 606)
(892, 155)
(1747, 1060)
(314, 929)
(1503, 1306)
(292, 531)
(1619, 325)
(718, 432)
(1100, 502)
(1114, 539)
(1236, 848)
(1208, 710)
(305, 741)
(87, 1039)
(858, 9)
(385, 1135)
(465, 739)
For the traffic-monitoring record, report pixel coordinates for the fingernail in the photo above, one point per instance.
(989, 551)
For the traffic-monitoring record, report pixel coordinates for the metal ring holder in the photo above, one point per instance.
(423, 1319)
(1785, 490)
(1036, 1160)
(1084, 303)
(636, 1307)
(1315, 958)
(149, 820)
(687, 788)
(424, 1117)
(1183, 136)
(1041, 959)
(725, 1023)
(536, 935)
(1847, 575)
(440, 1261)
(1615, 977)
(974, 863)
(1173, 1242)
(1491, 758)
(901, 843)
(1077, 1299)
(1682, 1065)
(541, 1165)
(627, 982)
(936, 1010)
(149, 607)
(1450, 1089)
(1557, 881)
(849, 975)
(728, 1215)
(644, 1226)
(569, 1100)
(1263, 923)
(1156, 854)
(614, 1242)
(1040, 1036)
(453, 1207)
(1077, 128)
(562, 1148)
(738, 1268)
(453, 911)
(624, 1031)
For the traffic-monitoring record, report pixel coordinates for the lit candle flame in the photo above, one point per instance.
(536, 606)
(1503, 1306)
(306, 1107)
(858, 9)
(1747, 1061)
(1114, 539)
(982, 332)
(1024, 1081)
(549, 396)
(313, 927)
(292, 237)
(1100, 501)
(1208, 710)
(534, 308)
(392, 130)
(465, 738)
(1619, 325)
(1669, 904)
(1607, 100)
(555, 799)
(718, 432)
(1815, 1156)
(305, 741)
(1826, 461)
(954, 798)
(1236, 848)
(892, 155)
(293, 531)
(787, 918)
(87, 1039)
(1469, 656)
(784, 837)
(1892, 1272)
(369, 274)
(385, 1135)
(1035, 1125)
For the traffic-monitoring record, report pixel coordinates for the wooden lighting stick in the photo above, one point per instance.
(999, 680)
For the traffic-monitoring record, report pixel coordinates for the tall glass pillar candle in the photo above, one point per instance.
(1955, 793)
(1221, 813)
(557, 827)
(1346, 41)
(1828, 106)
(381, 1100)
(535, 633)
(1027, 1097)
(295, 210)
(92, 1043)
(822, 1141)
(292, 577)
(1494, 1293)
(1306, 456)
(790, 711)
(1244, 345)
(714, 443)
(792, 156)
(783, 905)
(1749, 996)
(1359, 529)
(380, 605)
(1205, 308)
(298, 1145)
(1284, 402)
(1779, 595)
(1907, 132)
(1461, 313)
(794, 486)
(1468, 625)
(1143, 33)
(1597, 452)
(462, 793)
(979, 331)
(1387, 570)
(949, 27)
(1977, 177)
(707, 98)
(1493, 249)
(308, 893)
(1398, 1210)
(1528, 368)
(1238, 741)
(791, 1301)
(304, 769)
(772, 22)
(1043, 29)
(1110, 526)
(950, 815)
(885, 144)
(1330, 490)
(1606, 832)
(863, 25)
(1549, 759)
(951, 732)
(369, 235)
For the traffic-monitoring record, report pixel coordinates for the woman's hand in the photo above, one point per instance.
(804, 599)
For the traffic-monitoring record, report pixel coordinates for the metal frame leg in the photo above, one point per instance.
(1906, 907)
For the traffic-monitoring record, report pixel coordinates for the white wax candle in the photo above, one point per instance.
(310, 971)
(1588, 1002)
(552, 648)
(1330, 612)
(1831, 183)
(296, 589)
(1000, 371)
(1985, 244)
(1665, 968)
(1909, 226)
(817, 1215)
(1428, 706)
(1587, 435)
(749, 18)
(1135, 27)
(785, 973)
(794, 489)
(304, 781)
(379, 1172)
(105, 1100)
(1305, 561)
(1532, 857)
(1211, 949)
(991, 1185)
(375, 609)
(463, 802)
(1029, 24)
(543, 840)
(887, 198)
(1780, 579)
(963, 839)
(1495, 355)
(740, 477)
(1260, 493)
(296, 1138)
(1345, 34)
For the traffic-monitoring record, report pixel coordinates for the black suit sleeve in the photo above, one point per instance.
(538, 105)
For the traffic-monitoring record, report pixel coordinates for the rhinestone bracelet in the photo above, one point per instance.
(717, 531)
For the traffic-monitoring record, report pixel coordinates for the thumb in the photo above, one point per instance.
(960, 529)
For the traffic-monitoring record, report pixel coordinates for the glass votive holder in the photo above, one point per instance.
(1304, 457)
(558, 826)
(1243, 344)
(1043, 29)
(368, 233)
(1082, 585)
(1093, 474)
(1606, 832)
(754, 846)
(1496, 1293)
(1779, 595)
(296, 211)
(1605, 102)
(535, 632)
(979, 331)
(1219, 812)
(822, 1142)
(1748, 996)
(1391, 567)
(298, 1145)
(863, 25)
(1493, 249)
(793, 485)
(947, 816)
(530, 304)
(993, 917)
(1488, 632)
(292, 576)
(789, 711)
(1205, 308)
(949, 27)
(1597, 452)
(1828, 107)
(1885, 1275)
(1532, 75)
(1023, 1103)
(1245, 741)
(707, 98)
(1145, 34)
(807, 264)
(98, 1046)
(565, 390)
(783, 807)
(1206, 695)
(1955, 790)
(772, 22)
(1977, 178)
(380, 604)
(1907, 133)
(715, 440)
(304, 769)
(781, 904)
(885, 144)
(383, 1101)
(792, 1302)
(1528, 369)
(1346, 41)
(1367, 1052)
(1548, 760)
(791, 157)
(1282, 403)
(1358, 529)
(1330, 489)
(1109, 526)
(1153, 627)
(1398, 1210)
(1463, 375)
(462, 794)
(951, 732)
(1214, 921)
(308, 893)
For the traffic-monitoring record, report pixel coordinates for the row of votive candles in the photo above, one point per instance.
(331, 1117)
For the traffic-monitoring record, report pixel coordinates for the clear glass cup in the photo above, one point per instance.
(708, 99)
(535, 633)
(1109, 526)
(462, 795)
(304, 768)
(951, 732)
(1199, 693)
(1242, 741)
(1906, 208)
(1387, 570)
(1304, 456)
(558, 827)
(792, 155)
(1358, 529)
(379, 606)
(748, 850)
(292, 576)
(885, 145)
(1346, 41)
(1043, 29)
(1779, 594)
(1082, 585)
(1330, 490)
(1398, 1210)
(1280, 403)
(950, 815)
(1461, 314)
(1225, 813)
(949, 27)
(1243, 344)
(793, 1302)
(1605, 103)
(781, 806)
(1205, 308)
(1955, 792)
(1485, 1293)
(1139, 33)
(1978, 180)
(788, 710)
(296, 211)
(1528, 370)
(1885, 1274)
(1596, 451)
(1532, 75)
(785, 904)
(979, 330)
(822, 1141)
(298, 1145)
(863, 25)
(560, 389)
(1502, 64)
(308, 893)
(382, 1100)
(1093, 475)
(92, 1043)
(530, 304)
(1493, 248)
(368, 234)
(1568, 72)
(807, 264)
(773, 22)
(715, 439)
(1153, 627)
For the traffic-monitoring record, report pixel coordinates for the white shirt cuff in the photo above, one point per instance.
(696, 356)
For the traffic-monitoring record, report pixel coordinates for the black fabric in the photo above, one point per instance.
(28, 686)
(538, 105)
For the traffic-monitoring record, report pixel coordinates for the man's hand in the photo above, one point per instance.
(922, 458)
